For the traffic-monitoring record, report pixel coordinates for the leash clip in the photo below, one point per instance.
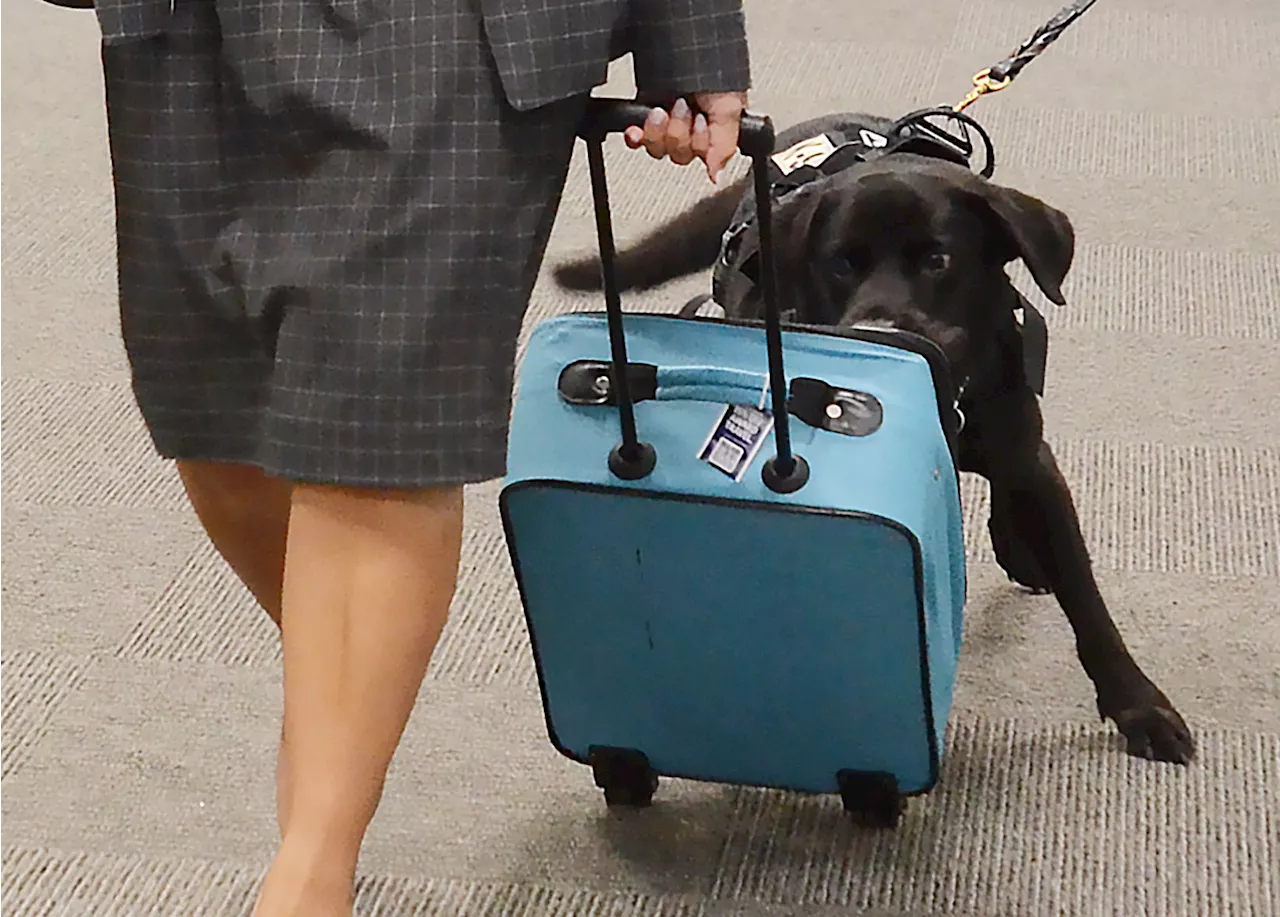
(983, 83)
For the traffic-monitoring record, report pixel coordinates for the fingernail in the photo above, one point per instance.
(657, 117)
(680, 109)
(700, 123)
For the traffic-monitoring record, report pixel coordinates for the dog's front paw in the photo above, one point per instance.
(1153, 729)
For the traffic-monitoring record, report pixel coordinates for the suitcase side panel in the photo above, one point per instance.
(729, 641)
(945, 585)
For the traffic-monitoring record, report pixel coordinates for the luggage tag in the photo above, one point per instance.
(737, 437)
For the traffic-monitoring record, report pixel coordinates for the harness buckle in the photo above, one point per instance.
(730, 240)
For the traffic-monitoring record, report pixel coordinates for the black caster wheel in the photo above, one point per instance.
(625, 776)
(872, 798)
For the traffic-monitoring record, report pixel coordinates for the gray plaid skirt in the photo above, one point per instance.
(328, 232)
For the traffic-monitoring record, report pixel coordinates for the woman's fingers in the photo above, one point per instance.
(711, 134)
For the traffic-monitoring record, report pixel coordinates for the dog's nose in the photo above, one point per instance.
(875, 323)
(880, 315)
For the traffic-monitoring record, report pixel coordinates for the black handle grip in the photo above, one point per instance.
(613, 116)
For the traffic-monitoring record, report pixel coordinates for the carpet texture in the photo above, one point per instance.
(142, 688)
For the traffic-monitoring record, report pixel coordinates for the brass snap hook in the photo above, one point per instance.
(982, 84)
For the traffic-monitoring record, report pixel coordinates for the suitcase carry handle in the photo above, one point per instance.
(815, 403)
(633, 459)
(707, 383)
(589, 383)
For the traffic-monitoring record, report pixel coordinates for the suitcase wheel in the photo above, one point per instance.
(625, 776)
(872, 797)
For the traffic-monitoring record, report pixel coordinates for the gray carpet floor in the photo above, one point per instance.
(141, 688)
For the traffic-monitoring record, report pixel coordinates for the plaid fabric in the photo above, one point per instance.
(330, 217)
(547, 50)
(127, 20)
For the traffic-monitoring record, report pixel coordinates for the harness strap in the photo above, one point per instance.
(834, 151)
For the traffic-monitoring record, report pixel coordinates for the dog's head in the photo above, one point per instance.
(915, 244)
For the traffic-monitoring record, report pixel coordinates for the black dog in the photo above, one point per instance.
(918, 243)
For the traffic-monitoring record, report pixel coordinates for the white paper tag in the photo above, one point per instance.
(811, 152)
(736, 438)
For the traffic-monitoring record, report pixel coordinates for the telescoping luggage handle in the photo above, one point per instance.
(633, 459)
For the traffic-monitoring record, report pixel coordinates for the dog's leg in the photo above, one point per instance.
(1012, 553)
(1033, 514)
(1041, 511)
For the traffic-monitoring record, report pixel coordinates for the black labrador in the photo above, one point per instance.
(921, 244)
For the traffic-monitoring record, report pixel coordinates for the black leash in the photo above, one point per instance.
(948, 126)
(1035, 332)
(997, 77)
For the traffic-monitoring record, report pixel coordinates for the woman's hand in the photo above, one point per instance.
(709, 133)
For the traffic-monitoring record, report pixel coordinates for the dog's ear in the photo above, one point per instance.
(800, 228)
(799, 220)
(1040, 235)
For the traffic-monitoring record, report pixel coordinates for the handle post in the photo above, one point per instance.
(786, 472)
(630, 459)
(784, 463)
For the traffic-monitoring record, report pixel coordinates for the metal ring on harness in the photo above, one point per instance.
(919, 123)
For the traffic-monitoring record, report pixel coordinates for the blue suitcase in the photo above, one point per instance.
(727, 577)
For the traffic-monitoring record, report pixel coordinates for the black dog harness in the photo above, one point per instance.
(830, 153)
(843, 147)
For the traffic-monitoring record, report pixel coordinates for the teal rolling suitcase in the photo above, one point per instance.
(734, 571)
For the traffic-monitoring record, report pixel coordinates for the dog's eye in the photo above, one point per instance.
(840, 266)
(936, 261)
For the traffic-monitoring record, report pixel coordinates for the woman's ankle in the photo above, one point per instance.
(306, 879)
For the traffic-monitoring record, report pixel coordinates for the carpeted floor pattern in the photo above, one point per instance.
(141, 688)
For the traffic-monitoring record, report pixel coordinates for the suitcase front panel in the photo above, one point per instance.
(740, 642)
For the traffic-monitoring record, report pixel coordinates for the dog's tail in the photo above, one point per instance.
(683, 245)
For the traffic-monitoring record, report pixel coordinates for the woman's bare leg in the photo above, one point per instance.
(246, 515)
(368, 579)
